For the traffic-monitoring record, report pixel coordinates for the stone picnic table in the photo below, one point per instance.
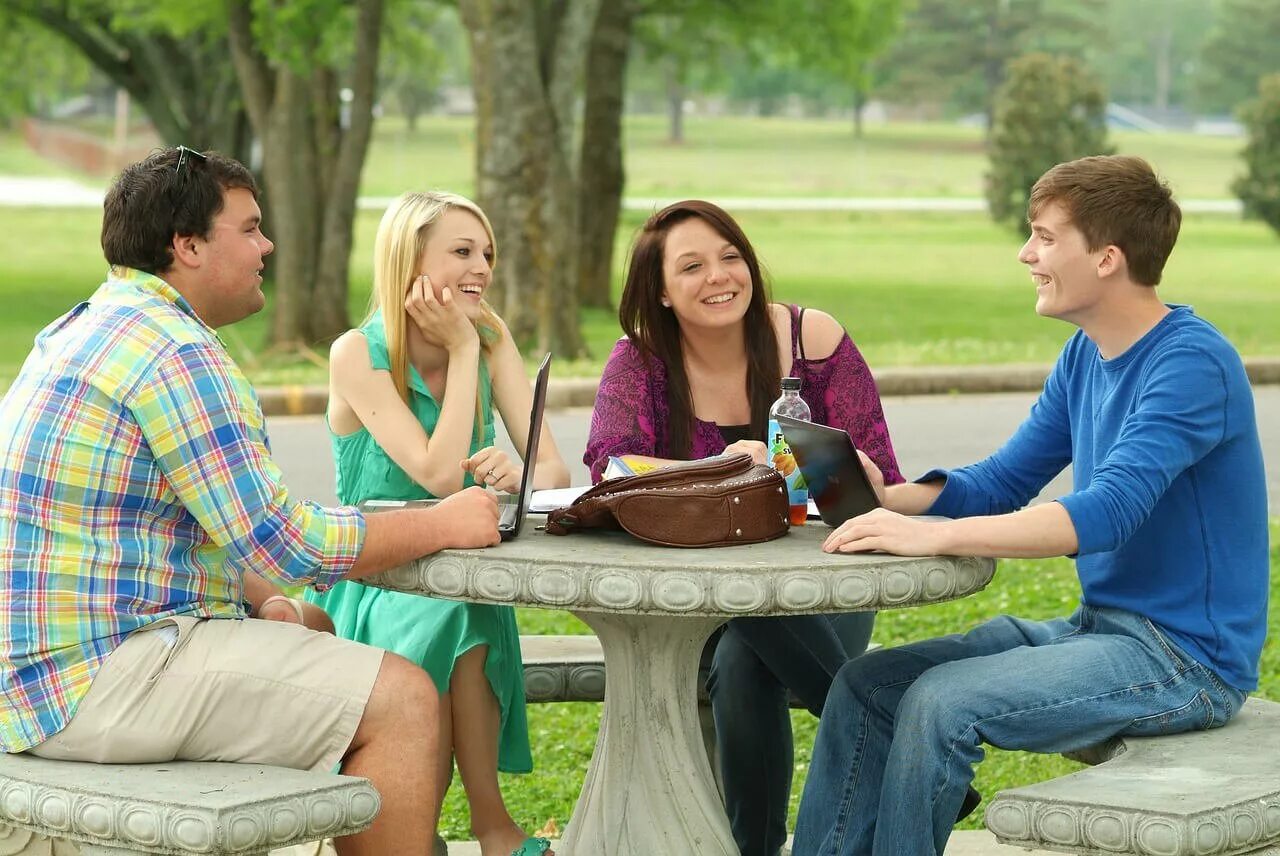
(649, 788)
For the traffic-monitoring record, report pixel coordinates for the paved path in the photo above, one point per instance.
(67, 193)
(933, 430)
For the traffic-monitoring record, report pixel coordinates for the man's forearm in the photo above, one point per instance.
(912, 498)
(1036, 532)
(393, 538)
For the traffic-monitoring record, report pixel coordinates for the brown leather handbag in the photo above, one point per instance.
(713, 502)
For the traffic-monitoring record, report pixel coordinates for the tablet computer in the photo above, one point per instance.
(838, 483)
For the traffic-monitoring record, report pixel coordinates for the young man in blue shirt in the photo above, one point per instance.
(1167, 521)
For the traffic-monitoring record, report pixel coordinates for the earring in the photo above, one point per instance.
(666, 303)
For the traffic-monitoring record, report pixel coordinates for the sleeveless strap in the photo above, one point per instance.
(797, 337)
(794, 312)
(800, 333)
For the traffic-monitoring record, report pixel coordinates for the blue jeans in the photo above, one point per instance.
(903, 727)
(757, 664)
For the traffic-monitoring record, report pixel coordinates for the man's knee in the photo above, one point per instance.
(936, 704)
(403, 696)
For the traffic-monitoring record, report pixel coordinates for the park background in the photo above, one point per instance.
(858, 142)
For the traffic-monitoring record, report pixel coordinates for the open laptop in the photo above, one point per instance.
(512, 508)
(838, 483)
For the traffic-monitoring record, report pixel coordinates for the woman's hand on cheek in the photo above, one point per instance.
(441, 322)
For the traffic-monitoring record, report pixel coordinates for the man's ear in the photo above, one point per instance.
(1112, 261)
(187, 250)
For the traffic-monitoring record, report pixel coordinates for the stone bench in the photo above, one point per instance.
(571, 668)
(178, 808)
(1206, 792)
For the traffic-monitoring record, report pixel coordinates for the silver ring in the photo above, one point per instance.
(489, 474)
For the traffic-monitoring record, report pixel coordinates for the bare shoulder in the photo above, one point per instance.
(350, 344)
(780, 317)
(822, 334)
(349, 355)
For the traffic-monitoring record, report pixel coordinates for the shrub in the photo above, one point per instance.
(1259, 187)
(1051, 109)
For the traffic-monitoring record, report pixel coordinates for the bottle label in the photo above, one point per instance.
(785, 463)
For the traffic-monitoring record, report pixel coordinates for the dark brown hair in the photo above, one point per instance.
(655, 332)
(153, 200)
(1115, 199)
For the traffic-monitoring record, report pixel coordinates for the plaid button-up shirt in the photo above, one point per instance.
(136, 483)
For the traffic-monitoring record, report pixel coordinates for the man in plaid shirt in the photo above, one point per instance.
(142, 518)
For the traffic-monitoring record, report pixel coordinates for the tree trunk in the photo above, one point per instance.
(675, 103)
(1164, 63)
(313, 153)
(330, 317)
(859, 104)
(526, 64)
(600, 170)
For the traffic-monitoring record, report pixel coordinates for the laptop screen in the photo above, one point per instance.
(531, 445)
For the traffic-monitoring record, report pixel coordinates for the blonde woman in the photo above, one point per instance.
(411, 398)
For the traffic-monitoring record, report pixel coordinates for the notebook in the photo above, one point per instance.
(512, 508)
(838, 483)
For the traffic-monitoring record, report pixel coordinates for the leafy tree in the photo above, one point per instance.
(1243, 45)
(1259, 187)
(24, 48)
(170, 58)
(1152, 55)
(684, 62)
(420, 49)
(291, 62)
(1050, 110)
(308, 78)
(954, 52)
(853, 33)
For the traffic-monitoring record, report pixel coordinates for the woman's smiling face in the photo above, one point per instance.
(706, 279)
(459, 255)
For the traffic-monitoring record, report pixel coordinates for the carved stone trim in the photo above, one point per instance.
(181, 807)
(1195, 794)
(612, 572)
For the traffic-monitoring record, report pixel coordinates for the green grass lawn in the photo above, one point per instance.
(740, 156)
(562, 735)
(913, 289)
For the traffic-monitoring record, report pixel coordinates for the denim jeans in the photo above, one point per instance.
(903, 727)
(757, 664)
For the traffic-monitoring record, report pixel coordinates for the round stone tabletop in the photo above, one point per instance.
(615, 572)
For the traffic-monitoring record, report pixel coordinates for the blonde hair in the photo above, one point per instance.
(397, 256)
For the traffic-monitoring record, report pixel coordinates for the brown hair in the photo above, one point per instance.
(655, 332)
(1115, 200)
(152, 200)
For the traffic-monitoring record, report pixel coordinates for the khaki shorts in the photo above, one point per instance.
(261, 692)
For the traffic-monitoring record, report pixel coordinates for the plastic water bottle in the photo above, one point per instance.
(789, 404)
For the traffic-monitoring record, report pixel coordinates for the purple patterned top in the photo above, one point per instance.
(631, 407)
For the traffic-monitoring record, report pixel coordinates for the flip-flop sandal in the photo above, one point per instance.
(532, 847)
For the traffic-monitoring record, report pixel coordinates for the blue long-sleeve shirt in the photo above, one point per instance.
(1169, 497)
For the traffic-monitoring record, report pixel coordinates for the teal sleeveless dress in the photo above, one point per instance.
(426, 630)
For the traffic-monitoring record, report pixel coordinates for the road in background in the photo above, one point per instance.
(928, 431)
